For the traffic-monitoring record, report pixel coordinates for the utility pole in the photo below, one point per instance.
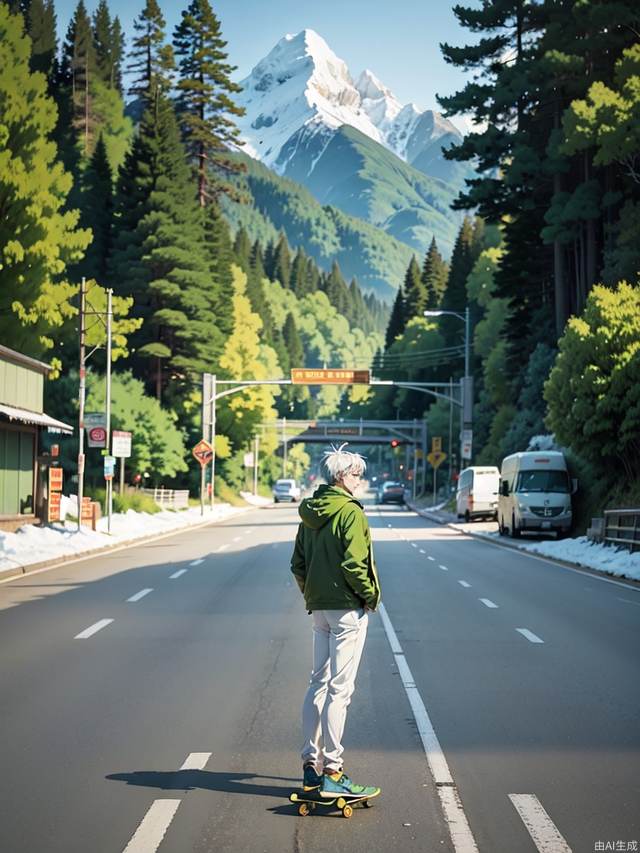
(212, 422)
(255, 464)
(284, 447)
(108, 401)
(81, 396)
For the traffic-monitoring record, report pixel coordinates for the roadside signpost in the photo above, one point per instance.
(203, 452)
(467, 443)
(121, 449)
(95, 424)
(436, 458)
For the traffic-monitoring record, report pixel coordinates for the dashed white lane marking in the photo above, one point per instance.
(177, 574)
(93, 629)
(541, 828)
(628, 601)
(422, 551)
(533, 638)
(197, 562)
(223, 547)
(237, 538)
(464, 584)
(148, 836)
(461, 835)
(444, 568)
(140, 595)
(413, 545)
(488, 603)
(196, 761)
(248, 532)
(429, 557)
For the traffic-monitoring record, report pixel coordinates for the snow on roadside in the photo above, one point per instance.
(584, 552)
(31, 544)
(255, 500)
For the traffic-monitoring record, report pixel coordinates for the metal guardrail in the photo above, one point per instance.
(622, 528)
(169, 498)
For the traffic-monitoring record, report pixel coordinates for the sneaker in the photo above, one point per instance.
(311, 781)
(341, 786)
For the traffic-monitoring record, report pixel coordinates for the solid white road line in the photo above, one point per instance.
(140, 595)
(541, 828)
(488, 603)
(196, 761)
(93, 629)
(464, 584)
(197, 562)
(177, 574)
(533, 638)
(223, 547)
(148, 836)
(461, 835)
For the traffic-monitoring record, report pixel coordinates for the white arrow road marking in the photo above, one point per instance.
(461, 835)
(177, 574)
(148, 836)
(533, 638)
(140, 595)
(93, 629)
(464, 584)
(197, 562)
(487, 602)
(196, 761)
(541, 828)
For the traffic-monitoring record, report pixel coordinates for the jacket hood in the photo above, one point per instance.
(325, 503)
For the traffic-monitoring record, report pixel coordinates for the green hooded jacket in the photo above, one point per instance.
(333, 559)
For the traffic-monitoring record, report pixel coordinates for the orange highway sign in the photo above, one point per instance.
(331, 376)
(203, 452)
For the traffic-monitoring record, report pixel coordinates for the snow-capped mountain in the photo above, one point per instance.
(301, 89)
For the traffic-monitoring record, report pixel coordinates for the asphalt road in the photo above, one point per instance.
(175, 726)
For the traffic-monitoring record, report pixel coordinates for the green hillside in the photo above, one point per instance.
(375, 258)
(366, 180)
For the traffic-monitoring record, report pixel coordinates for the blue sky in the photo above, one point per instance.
(397, 41)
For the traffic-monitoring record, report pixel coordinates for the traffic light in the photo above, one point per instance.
(394, 442)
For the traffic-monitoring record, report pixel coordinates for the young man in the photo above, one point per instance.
(334, 567)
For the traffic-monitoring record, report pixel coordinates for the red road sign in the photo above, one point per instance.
(203, 452)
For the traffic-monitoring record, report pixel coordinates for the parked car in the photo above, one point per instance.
(390, 492)
(535, 493)
(286, 490)
(477, 492)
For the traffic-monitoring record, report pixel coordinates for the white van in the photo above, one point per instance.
(535, 493)
(477, 492)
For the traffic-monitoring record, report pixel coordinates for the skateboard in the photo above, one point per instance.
(308, 801)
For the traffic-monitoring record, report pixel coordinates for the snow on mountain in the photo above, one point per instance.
(302, 89)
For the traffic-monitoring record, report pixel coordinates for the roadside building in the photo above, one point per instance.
(22, 422)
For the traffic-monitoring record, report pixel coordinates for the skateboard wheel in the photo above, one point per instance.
(341, 802)
(367, 804)
(303, 809)
(347, 811)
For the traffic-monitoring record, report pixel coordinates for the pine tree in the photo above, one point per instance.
(336, 289)
(415, 293)
(38, 234)
(282, 262)
(162, 260)
(40, 19)
(151, 60)
(313, 276)
(97, 214)
(435, 273)
(79, 66)
(465, 252)
(396, 320)
(299, 274)
(102, 41)
(205, 91)
(220, 255)
(295, 396)
(242, 250)
(256, 294)
(117, 55)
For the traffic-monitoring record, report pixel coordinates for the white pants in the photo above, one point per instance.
(338, 641)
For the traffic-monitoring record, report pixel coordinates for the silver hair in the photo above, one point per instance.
(339, 462)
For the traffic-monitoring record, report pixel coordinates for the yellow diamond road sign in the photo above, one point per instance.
(436, 458)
